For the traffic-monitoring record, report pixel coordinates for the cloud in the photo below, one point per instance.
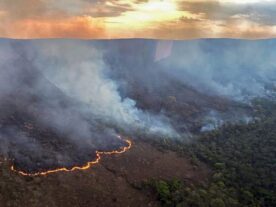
(137, 18)
(261, 12)
(97, 8)
(25, 9)
(75, 27)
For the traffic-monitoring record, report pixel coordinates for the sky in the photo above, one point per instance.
(159, 19)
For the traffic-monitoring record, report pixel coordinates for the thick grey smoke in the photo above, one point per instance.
(188, 79)
(81, 73)
(64, 99)
(58, 105)
(40, 126)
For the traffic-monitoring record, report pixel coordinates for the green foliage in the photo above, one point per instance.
(183, 194)
(217, 202)
(167, 191)
(163, 191)
(243, 159)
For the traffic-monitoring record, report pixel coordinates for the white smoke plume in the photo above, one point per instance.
(81, 73)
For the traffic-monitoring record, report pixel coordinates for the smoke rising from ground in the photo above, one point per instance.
(64, 86)
(58, 105)
(240, 70)
(81, 73)
(64, 99)
(40, 126)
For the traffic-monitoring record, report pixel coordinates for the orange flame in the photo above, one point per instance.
(85, 167)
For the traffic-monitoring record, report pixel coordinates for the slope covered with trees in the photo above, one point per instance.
(243, 162)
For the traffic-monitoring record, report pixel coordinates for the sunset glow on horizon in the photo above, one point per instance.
(160, 19)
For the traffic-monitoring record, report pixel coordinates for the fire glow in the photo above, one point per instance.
(75, 168)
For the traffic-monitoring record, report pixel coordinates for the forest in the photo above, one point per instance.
(242, 158)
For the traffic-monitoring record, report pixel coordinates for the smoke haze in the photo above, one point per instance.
(240, 70)
(63, 99)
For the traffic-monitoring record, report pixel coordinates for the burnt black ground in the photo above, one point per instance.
(27, 136)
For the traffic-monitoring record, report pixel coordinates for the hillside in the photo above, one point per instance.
(163, 123)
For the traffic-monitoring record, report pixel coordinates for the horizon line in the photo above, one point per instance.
(138, 38)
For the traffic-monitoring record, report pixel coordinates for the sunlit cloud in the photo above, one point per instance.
(170, 19)
(75, 27)
(149, 13)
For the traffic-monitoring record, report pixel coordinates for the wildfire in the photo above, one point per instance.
(75, 168)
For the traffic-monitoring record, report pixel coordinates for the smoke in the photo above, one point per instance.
(58, 105)
(60, 100)
(239, 70)
(214, 120)
(185, 80)
(81, 73)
